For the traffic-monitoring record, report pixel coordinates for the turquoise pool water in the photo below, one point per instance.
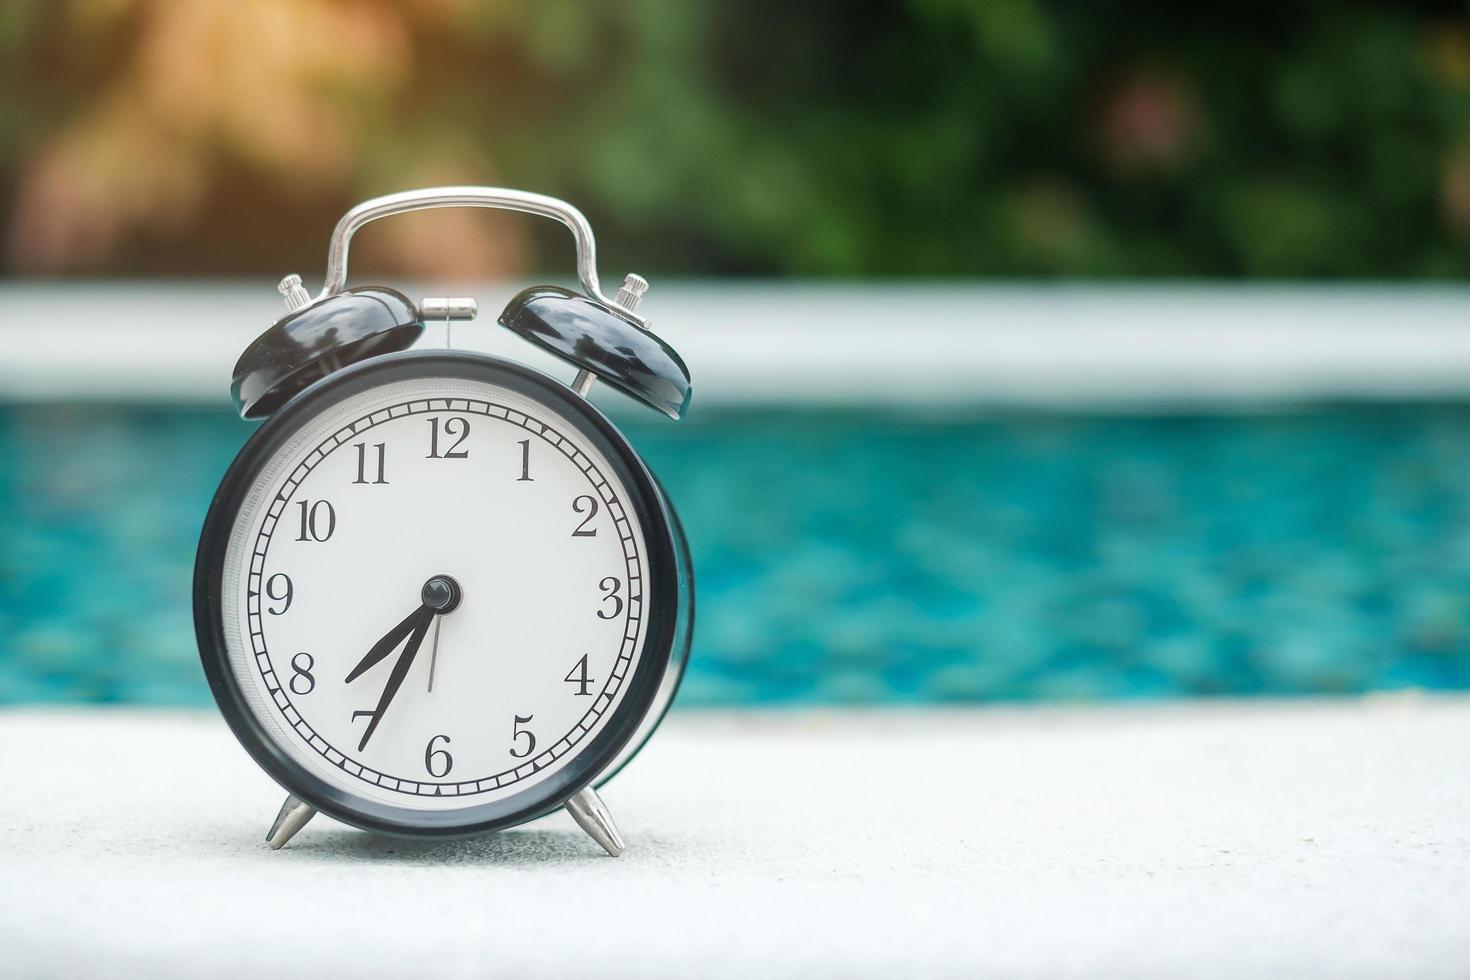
(865, 558)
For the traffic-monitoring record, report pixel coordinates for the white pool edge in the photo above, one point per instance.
(1087, 346)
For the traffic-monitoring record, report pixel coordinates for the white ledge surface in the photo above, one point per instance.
(857, 344)
(1216, 840)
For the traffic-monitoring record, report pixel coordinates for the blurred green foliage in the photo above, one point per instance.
(918, 138)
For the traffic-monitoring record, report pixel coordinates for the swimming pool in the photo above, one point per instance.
(851, 557)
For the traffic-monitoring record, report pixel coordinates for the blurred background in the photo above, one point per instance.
(1042, 350)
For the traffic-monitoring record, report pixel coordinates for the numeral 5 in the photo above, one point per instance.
(517, 733)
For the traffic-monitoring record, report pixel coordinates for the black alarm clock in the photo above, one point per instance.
(438, 593)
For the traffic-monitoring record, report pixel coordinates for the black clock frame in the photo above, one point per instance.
(669, 615)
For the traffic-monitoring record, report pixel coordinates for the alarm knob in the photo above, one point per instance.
(318, 337)
(293, 292)
(632, 290)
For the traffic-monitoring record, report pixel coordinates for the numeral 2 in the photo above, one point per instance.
(582, 530)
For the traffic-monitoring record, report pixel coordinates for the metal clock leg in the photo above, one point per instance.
(592, 816)
(293, 816)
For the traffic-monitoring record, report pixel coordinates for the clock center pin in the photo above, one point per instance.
(442, 593)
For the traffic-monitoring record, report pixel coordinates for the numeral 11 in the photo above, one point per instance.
(362, 462)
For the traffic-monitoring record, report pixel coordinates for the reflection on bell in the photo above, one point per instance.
(596, 338)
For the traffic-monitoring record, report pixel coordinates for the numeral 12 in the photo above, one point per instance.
(460, 431)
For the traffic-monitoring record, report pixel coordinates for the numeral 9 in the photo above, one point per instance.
(278, 588)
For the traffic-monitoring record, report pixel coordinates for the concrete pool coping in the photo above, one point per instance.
(919, 344)
(1320, 838)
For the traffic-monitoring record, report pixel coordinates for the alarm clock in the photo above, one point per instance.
(438, 593)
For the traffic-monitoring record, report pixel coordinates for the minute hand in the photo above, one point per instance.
(385, 646)
(400, 671)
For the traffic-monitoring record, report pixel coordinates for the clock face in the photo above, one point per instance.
(435, 594)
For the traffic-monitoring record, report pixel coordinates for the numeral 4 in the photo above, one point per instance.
(578, 675)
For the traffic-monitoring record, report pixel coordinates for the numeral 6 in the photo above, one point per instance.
(438, 762)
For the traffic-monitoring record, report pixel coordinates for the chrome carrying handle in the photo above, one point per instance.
(472, 197)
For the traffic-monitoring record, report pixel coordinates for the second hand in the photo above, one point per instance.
(434, 653)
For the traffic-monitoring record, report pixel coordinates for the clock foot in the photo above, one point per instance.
(293, 816)
(592, 816)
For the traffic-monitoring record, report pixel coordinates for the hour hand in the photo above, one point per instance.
(400, 671)
(386, 645)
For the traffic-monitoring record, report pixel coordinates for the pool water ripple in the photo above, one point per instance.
(856, 558)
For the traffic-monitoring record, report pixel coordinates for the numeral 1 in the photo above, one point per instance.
(525, 476)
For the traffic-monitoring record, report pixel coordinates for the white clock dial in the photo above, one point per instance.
(332, 549)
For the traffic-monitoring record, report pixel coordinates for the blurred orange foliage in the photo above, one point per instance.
(292, 88)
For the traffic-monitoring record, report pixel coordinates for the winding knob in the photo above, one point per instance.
(632, 290)
(293, 292)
